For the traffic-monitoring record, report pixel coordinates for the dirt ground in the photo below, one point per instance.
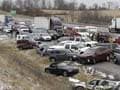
(24, 70)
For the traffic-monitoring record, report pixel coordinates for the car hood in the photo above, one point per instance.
(57, 47)
(83, 49)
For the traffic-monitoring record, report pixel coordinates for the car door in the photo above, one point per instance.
(117, 54)
(53, 68)
(92, 84)
(100, 54)
(60, 55)
(103, 85)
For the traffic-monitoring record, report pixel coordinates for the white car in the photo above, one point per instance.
(45, 37)
(88, 42)
(97, 84)
(23, 29)
(7, 29)
(83, 31)
(84, 40)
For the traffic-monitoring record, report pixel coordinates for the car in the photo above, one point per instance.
(23, 28)
(84, 40)
(72, 45)
(7, 29)
(116, 58)
(64, 69)
(39, 30)
(95, 54)
(45, 37)
(58, 55)
(43, 50)
(25, 44)
(96, 84)
(53, 34)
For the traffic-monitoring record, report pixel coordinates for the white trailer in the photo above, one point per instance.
(115, 26)
(42, 22)
(2, 18)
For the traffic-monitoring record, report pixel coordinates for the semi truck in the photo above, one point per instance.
(115, 26)
(5, 19)
(49, 23)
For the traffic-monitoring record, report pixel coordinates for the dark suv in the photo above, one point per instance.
(62, 55)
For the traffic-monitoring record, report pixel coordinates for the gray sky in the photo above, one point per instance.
(99, 2)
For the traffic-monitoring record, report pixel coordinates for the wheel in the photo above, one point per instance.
(71, 59)
(114, 60)
(79, 88)
(47, 71)
(88, 45)
(108, 58)
(65, 74)
(52, 59)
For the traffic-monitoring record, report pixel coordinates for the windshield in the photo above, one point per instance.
(61, 44)
(90, 51)
(24, 27)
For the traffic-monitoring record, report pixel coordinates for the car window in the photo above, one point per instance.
(105, 83)
(77, 39)
(117, 51)
(82, 40)
(74, 47)
(67, 46)
(94, 82)
(71, 38)
(101, 49)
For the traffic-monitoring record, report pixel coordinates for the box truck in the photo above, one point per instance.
(49, 23)
(115, 26)
(5, 19)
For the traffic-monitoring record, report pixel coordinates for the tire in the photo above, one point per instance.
(47, 71)
(70, 59)
(108, 58)
(88, 45)
(114, 60)
(79, 88)
(65, 74)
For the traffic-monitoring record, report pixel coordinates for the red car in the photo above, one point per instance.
(95, 54)
(25, 44)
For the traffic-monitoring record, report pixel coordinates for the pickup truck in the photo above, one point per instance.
(72, 45)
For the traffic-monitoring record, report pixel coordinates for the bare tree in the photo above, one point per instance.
(82, 6)
(7, 5)
(95, 6)
(19, 4)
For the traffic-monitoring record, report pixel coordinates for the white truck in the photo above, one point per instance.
(115, 26)
(5, 19)
(49, 23)
(2, 18)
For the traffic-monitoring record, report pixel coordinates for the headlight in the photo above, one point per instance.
(88, 60)
(74, 56)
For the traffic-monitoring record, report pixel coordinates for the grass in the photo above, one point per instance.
(25, 70)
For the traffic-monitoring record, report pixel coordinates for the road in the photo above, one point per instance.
(109, 68)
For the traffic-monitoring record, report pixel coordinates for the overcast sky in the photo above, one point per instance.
(91, 2)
